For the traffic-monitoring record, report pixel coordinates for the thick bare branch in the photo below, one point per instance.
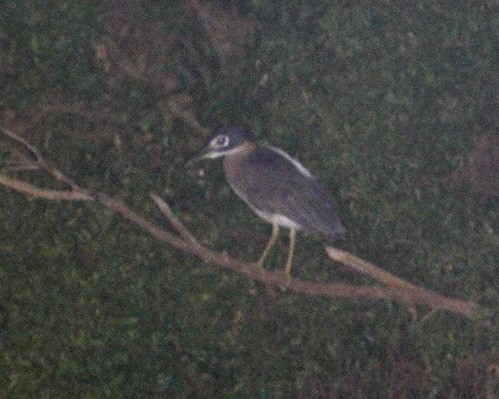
(365, 267)
(412, 293)
(393, 288)
(395, 293)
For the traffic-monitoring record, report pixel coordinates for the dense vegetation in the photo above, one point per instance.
(393, 108)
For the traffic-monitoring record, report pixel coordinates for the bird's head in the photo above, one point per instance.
(224, 141)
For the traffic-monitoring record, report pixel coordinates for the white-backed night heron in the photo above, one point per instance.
(277, 187)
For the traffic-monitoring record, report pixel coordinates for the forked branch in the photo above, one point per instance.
(390, 287)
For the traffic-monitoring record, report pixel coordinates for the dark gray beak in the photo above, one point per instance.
(200, 155)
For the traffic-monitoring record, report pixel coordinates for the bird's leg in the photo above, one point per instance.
(291, 251)
(270, 244)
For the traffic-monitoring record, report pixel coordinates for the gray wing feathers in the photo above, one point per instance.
(275, 185)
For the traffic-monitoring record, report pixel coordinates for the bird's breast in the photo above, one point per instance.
(235, 173)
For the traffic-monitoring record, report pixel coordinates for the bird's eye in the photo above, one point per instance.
(221, 141)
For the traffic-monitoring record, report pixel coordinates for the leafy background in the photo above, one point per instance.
(392, 105)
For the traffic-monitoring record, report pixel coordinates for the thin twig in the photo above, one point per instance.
(187, 116)
(22, 141)
(64, 195)
(40, 160)
(20, 166)
(175, 222)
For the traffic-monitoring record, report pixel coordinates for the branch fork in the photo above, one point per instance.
(389, 287)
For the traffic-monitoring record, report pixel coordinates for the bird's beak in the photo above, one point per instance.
(200, 155)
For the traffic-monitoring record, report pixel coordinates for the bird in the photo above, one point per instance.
(277, 187)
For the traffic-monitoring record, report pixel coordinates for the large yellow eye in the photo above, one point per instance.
(220, 141)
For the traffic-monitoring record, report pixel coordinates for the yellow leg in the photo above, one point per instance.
(291, 251)
(271, 243)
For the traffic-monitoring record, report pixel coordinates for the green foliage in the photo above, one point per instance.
(393, 108)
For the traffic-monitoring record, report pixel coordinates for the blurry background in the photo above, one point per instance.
(392, 107)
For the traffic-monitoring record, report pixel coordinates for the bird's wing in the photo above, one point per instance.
(276, 183)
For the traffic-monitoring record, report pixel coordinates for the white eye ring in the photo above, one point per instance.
(220, 141)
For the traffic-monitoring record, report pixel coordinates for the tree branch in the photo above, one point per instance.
(365, 267)
(392, 288)
(26, 188)
(175, 222)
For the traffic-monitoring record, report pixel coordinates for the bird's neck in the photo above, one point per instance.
(234, 161)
